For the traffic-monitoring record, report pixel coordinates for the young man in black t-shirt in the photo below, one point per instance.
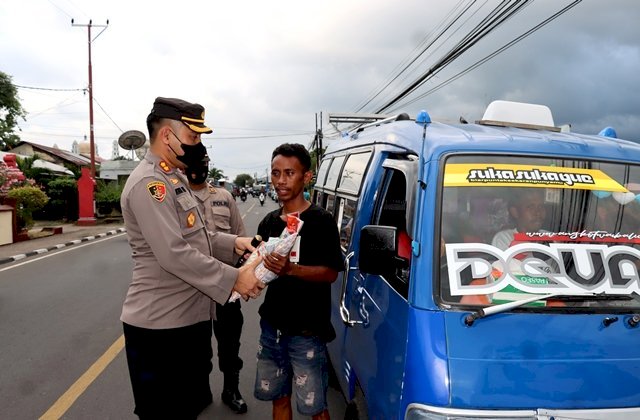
(295, 315)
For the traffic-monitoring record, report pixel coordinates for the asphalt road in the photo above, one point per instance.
(61, 350)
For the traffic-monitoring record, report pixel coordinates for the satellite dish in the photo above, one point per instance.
(132, 139)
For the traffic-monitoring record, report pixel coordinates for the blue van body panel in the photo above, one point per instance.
(426, 371)
(378, 349)
(529, 360)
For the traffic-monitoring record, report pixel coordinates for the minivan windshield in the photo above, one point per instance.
(515, 227)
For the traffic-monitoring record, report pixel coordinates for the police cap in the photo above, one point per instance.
(177, 109)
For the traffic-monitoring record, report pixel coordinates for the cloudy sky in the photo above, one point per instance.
(264, 69)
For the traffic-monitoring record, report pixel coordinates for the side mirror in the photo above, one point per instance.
(377, 249)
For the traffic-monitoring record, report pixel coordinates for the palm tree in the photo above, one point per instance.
(216, 174)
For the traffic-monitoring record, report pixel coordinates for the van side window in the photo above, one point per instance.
(353, 173)
(322, 172)
(348, 209)
(330, 203)
(334, 173)
(391, 211)
(319, 199)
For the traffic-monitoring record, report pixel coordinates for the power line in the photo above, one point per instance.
(498, 16)
(107, 114)
(59, 8)
(493, 54)
(50, 89)
(410, 61)
(268, 136)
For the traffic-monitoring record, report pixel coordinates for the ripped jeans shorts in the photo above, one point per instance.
(284, 360)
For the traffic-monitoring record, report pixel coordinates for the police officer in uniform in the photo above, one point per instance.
(167, 310)
(222, 215)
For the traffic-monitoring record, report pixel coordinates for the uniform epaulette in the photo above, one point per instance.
(164, 166)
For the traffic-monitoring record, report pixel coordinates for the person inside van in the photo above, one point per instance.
(528, 212)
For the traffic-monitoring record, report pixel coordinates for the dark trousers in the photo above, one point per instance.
(227, 329)
(169, 370)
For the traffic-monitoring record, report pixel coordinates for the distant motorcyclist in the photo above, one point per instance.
(261, 198)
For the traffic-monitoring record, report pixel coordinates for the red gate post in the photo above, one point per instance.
(86, 186)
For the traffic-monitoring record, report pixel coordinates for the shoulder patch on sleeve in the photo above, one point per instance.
(158, 190)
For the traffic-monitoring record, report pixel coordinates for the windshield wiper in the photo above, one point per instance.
(504, 307)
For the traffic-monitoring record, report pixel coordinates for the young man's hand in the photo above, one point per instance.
(277, 264)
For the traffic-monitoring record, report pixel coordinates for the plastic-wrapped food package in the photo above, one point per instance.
(281, 245)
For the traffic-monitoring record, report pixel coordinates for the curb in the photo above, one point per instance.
(60, 246)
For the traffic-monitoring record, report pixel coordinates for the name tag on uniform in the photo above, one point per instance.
(294, 255)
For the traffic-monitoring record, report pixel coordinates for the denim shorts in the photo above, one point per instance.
(283, 359)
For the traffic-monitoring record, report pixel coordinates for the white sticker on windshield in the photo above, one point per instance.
(569, 269)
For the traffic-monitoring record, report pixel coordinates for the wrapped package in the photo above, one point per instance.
(281, 245)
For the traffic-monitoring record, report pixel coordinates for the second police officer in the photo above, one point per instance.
(221, 215)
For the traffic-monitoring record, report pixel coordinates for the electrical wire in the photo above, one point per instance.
(107, 114)
(498, 16)
(493, 54)
(50, 89)
(267, 136)
(412, 56)
(423, 51)
(60, 9)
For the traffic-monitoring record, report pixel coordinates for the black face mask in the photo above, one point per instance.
(195, 159)
(197, 174)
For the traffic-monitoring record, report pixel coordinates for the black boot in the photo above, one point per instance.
(231, 395)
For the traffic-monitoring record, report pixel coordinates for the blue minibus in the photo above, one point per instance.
(491, 269)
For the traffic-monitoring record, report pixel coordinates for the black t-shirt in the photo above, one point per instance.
(293, 305)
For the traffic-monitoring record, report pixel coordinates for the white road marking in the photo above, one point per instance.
(61, 252)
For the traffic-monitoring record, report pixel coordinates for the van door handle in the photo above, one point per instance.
(344, 311)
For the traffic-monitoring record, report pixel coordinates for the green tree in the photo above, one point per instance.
(314, 168)
(63, 200)
(28, 199)
(243, 180)
(216, 173)
(108, 196)
(10, 111)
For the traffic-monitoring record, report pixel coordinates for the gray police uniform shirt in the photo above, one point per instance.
(174, 274)
(221, 214)
(220, 211)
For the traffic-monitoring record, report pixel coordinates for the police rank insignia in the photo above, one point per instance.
(158, 190)
(191, 219)
(164, 166)
(174, 181)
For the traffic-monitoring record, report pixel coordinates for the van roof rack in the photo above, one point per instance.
(363, 121)
(400, 117)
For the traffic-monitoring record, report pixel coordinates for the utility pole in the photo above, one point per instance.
(91, 136)
(319, 154)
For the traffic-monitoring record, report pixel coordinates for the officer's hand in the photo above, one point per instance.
(276, 263)
(243, 243)
(247, 284)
